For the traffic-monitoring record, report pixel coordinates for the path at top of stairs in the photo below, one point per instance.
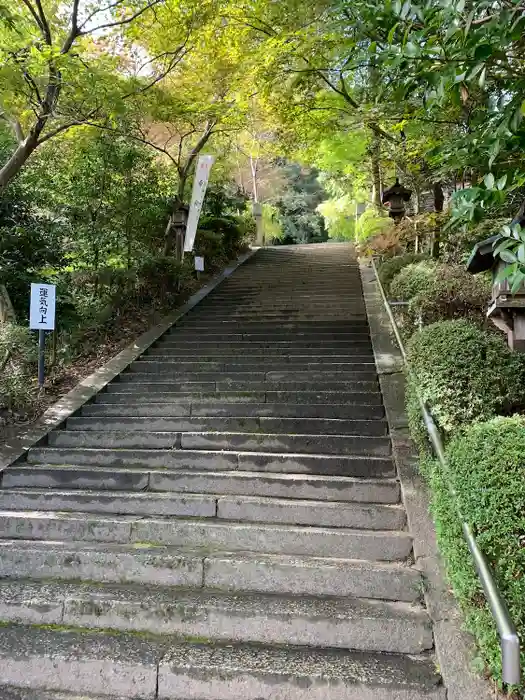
(224, 521)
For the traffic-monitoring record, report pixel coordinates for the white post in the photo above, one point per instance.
(258, 214)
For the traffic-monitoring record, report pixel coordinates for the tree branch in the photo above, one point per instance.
(15, 125)
(34, 15)
(176, 58)
(46, 31)
(121, 22)
(74, 31)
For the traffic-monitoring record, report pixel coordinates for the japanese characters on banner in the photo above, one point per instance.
(42, 308)
(202, 175)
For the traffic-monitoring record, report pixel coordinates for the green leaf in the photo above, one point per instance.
(517, 281)
(506, 272)
(520, 253)
(392, 33)
(482, 52)
(405, 9)
(523, 108)
(373, 47)
(502, 182)
(507, 256)
(483, 77)
(515, 120)
(489, 181)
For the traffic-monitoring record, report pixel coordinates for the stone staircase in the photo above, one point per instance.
(224, 521)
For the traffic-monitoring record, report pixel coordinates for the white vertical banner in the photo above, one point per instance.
(200, 183)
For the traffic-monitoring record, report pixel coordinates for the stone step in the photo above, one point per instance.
(347, 623)
(289, 426)
(180, 335)
(375, 545)
(111, 502)
(297, 486)
(249, 354)
(152, 372)
(129, 666)
(231, 410)
(356, 398)
(242, 441)
(295, 345)
(225, 571)
(239, 372)
(347, 465)
(299, 443)
(368, 516)
(215, 322)
(246, 364)
(152, 383)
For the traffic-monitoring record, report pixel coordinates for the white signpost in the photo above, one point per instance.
(199, 263)
(42, 319)
(202, 175)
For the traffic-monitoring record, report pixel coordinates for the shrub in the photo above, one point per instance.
(413, 280)
(391, 266)
(18, 353)
(487, 470)
(383, 245)
(451, 292)
(373, 222)
(464, 373)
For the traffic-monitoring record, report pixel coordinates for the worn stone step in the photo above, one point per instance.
(126, 665)
(299, 443)
(324, 426)
(217, 322)
(181, 335)
(90, 662)
(297, 486)
(369, 516)
(230, 410)
(157, 383)
(251, 673)
(292, 344)
(347, 465)
(347, 623)
(223, 355)
(116, 396)
(265, 538)
(150, 363)
(170, 566)
(377, 545)
(176, 397)
(85, 561)
(240, 372)
(112, 502)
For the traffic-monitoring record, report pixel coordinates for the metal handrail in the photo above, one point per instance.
(508, 634)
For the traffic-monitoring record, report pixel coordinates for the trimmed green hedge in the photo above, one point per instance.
(464, 374)
(412, 280)
(388, 269)
(487, 468)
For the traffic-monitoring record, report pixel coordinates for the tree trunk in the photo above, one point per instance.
(171, 234)
(439, 197)
(17, 160)
(375, 156)
(439, 202)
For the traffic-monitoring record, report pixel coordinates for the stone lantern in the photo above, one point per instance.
(396, 196)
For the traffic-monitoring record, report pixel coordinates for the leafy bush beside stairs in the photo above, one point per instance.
(464, 374)
(487, 468)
